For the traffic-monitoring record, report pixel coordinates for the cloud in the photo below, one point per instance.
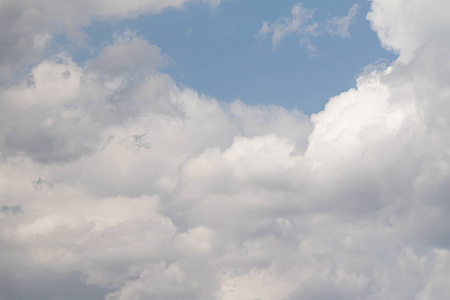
(406, 30)
(116, 183)
(128, 55)
(340, 26)
(300, 23)
(33, 25)
(304, 27)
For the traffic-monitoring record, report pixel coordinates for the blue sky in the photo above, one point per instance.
(218, 52)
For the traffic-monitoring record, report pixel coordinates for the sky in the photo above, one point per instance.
(219, 52)
(225, 150)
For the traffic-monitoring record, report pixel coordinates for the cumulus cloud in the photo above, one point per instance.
(32, 25)
(408, 31)
(118, 184)
(129, 55)
(302, 24)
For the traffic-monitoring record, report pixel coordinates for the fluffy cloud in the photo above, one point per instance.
(32, 25)
(128, 56)
(406, 27)
(118, 184)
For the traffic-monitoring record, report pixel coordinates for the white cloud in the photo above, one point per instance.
(31, 25)
(302, 24)
(406, 26)
(340, 26)
(115, 175)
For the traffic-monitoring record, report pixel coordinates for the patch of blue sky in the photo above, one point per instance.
(218, 51)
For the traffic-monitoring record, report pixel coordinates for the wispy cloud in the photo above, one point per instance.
(339, 26)
(302, 25)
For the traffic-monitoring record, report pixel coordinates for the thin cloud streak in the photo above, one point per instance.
(302, 25)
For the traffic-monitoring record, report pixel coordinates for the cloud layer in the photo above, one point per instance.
(118, 184)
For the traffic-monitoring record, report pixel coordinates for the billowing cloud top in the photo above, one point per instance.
(118, 184)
